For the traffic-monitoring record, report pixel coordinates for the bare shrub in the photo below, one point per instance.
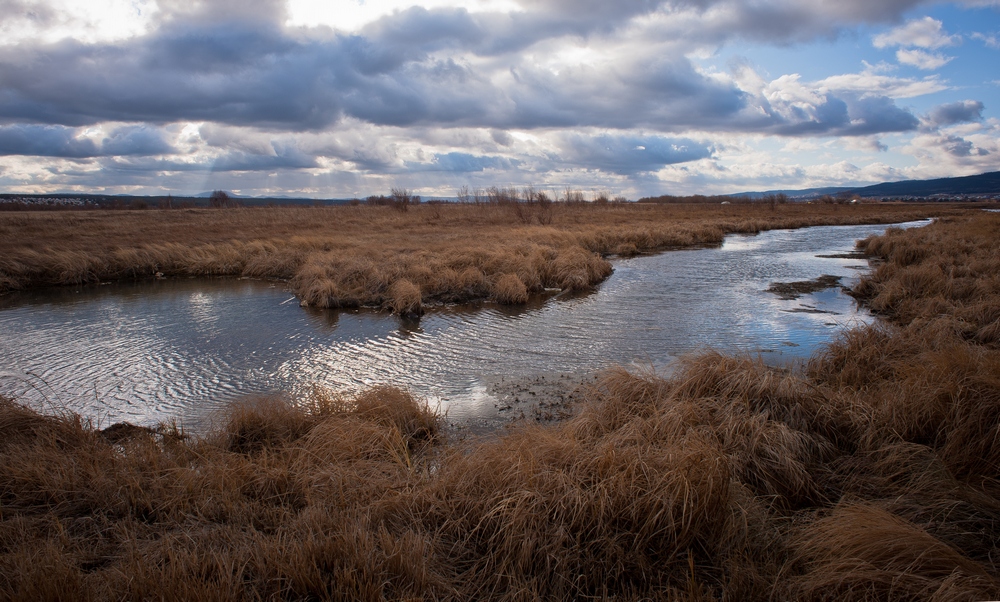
(402, 199)
(221, 198)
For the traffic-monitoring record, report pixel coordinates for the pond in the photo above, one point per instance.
(182, 349)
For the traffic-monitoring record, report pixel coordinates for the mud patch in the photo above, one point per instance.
(848, 255)
(809, 309)
(543, 398)
(794, 290)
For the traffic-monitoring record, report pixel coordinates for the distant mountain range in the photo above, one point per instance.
(987, 184)
(983, 184)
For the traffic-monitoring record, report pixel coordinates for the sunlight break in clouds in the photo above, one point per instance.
(349, 98)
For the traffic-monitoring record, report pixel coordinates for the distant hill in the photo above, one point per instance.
(987, 183)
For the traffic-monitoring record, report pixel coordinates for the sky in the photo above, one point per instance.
(348, 98)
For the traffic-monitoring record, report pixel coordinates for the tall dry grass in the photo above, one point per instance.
(872, 475)
(379, 257)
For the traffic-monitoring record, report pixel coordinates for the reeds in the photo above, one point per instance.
(378, 257)
(872, 475)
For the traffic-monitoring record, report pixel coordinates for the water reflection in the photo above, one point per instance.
(182, 348)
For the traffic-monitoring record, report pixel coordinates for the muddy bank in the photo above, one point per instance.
(794, 290)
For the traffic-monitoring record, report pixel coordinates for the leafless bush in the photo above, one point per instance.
(221, 198)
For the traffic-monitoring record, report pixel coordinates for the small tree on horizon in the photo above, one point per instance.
(221, 198)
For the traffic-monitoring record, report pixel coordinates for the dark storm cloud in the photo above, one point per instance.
(964, 111)
(58, 141)
(136, 140)
(175, 75)
(629, 154)
(283, 158)
(44, 141)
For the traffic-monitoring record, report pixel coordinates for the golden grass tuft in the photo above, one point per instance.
(403, 298)
(509, 290)
(860, 552)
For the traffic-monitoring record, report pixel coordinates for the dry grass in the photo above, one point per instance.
(378, 257)
(873, 475)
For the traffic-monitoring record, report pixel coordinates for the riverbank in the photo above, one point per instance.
(873, 474)
(353, 256)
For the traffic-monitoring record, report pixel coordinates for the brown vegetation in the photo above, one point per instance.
(378, 256)
(872, 475)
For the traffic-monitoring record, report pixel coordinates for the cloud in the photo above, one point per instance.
(209, 11)
(941, 154)
(59, 141)
(555, 90)
(960, 147)
(788, 106)
(417, 67)
(45, 141)
(920, 33)
(464, 163)
(14, 13)
(136, 140)
(922, 60)
(870, 82)
(869, 144)
(628, 154)
(956, 112)
(283, 158)
(990, 40)
(501, 137)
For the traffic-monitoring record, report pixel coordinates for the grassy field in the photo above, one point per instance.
(379, 257)
(874, 474)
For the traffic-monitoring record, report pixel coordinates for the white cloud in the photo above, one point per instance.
(921, 33)
(963, 149)
(866, 144)
(879, 67)
(868, 82)
(351, 15)
(90, 21)
(922, 60)
(991, 40)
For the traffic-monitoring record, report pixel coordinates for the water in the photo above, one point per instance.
(182, 349)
